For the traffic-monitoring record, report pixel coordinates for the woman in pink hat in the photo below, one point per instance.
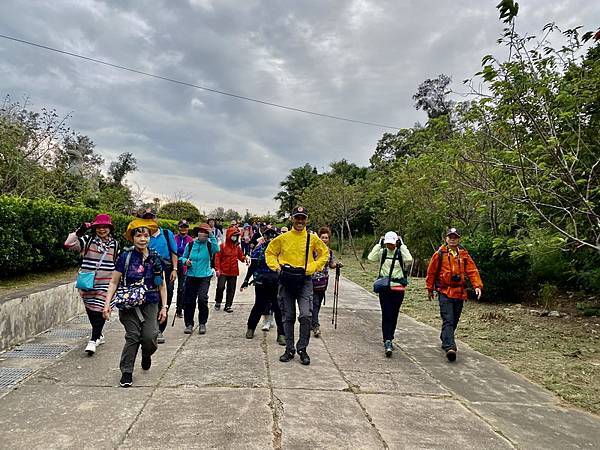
(99, 252)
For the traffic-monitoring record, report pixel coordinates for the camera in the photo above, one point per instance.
(455, 278)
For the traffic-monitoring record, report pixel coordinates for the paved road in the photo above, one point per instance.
(221, 390)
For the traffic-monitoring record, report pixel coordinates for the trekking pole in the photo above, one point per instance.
(336, 297)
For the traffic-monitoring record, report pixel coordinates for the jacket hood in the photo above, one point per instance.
(231, 231)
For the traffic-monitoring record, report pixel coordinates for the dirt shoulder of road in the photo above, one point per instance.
(25, 283)
(560, 353)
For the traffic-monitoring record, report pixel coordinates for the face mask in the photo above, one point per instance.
(202, 237)
(234, 238)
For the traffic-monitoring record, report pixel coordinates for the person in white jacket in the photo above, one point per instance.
(393, 257)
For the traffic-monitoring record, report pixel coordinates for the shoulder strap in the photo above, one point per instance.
(383, 257)
(166, 235)
(439, 266)
(394, 262)
(307, 248)
(127, 259)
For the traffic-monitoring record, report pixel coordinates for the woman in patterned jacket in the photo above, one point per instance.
(99, 253)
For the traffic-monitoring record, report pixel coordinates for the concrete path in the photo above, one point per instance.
(221, 390)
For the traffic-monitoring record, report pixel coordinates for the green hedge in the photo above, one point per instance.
(32, 234)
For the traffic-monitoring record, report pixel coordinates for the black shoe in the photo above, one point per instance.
(228, 309)
(217, 306)
(451, 355)
(126, 380)
(146, 362)
(287, 356)
(304, 358)
(249, 333)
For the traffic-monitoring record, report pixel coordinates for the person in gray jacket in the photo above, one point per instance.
(393, 257)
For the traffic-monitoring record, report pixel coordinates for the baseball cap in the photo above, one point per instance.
(149, 213)
(390, 238)
(299, 211)
(453, 231)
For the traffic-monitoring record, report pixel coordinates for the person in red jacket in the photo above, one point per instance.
(447, 274)
(226, 266)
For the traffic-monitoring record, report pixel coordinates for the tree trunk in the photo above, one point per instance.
(342, 238)
(354, 248)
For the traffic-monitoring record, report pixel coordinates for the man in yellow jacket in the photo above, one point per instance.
(295, 256)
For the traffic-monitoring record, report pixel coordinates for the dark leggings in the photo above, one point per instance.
(265, 298)
(390, 308)
(97, 322)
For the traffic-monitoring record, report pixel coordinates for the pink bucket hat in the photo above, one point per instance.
(103, 220)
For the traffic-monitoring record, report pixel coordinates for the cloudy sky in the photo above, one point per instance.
(361, 59)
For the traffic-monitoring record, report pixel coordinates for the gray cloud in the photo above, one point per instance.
(361, 59)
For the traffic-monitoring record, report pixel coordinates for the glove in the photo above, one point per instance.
(244, 284)
(82, 229)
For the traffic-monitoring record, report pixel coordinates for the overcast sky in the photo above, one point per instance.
(361, 59)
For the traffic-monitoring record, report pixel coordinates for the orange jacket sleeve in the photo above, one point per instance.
(473, 273)
(240, 254)
(218, 259)
(431, 271)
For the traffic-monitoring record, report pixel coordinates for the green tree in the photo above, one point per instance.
(181, 210)
(294, 186)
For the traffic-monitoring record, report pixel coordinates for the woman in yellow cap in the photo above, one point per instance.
(139, 280)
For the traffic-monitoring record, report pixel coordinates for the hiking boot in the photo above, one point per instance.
(90, 349)
(202, 329)
(100, 340)
(217, 306)
(281, 339)
(126, 380)
(188, 329)
(451, 355)
(146, 362)
(287, 356)
(317, 331)
(249, 333)
(228, 309)
(160, 339)
(389, 348)
(304, 358)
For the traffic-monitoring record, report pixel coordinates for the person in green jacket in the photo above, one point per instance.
(392, 255)
(197, 257)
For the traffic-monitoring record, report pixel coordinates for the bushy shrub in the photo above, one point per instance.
(32, 233)
(504, 268)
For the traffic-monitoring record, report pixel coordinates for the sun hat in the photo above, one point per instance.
(390, 237)
(203, 226)
(137, 223)
(103, 220)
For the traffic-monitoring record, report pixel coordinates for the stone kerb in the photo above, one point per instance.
(27, 313)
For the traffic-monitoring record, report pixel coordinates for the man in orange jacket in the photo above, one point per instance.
(447, 274)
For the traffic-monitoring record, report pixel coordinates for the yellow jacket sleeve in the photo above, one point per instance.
(319, 248)
(272, 254)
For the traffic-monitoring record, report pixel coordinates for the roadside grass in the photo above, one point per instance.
(560, 353)
(30, 280)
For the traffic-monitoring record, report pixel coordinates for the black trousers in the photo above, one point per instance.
(97, 322)
(390, 302)
(196, 289)
(265, 297)
(230, 281)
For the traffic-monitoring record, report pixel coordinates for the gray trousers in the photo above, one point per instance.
(287, 299)
(141, 328)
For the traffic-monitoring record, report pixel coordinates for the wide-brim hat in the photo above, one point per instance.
(103, 220)
(137, 223)
(203, 226)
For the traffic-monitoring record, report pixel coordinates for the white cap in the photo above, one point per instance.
(390, 238)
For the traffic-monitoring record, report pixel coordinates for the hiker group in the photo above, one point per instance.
(288, 268)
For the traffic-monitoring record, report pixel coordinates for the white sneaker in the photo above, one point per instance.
(266, 325)
(100, 340)
(91, 348)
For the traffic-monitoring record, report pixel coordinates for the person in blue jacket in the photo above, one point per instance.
(197, 257)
